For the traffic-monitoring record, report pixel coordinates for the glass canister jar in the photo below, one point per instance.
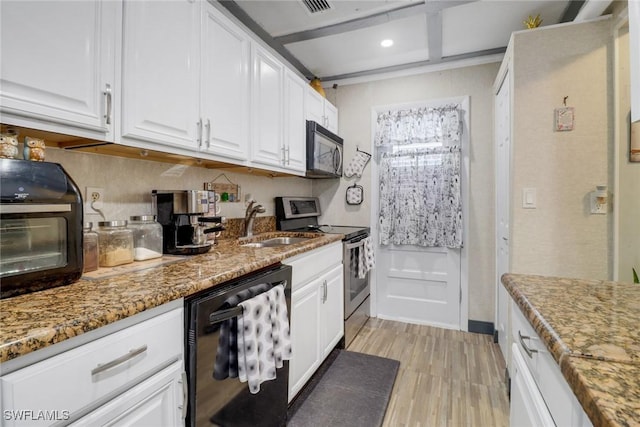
(147, 237)
(89, 248)
(115, 243)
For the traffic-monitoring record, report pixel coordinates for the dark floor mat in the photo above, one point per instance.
(354, 391)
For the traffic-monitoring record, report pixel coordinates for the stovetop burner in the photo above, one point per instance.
(301, 214)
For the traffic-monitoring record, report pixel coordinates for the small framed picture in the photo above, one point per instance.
(564, 119)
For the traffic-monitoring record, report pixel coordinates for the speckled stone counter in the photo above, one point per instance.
(592, 329)
(33, 321)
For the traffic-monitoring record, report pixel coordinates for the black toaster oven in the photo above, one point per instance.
(40, 227)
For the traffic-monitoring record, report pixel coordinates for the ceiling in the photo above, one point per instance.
(342, 40)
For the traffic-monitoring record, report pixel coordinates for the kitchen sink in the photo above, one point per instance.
(276, 241)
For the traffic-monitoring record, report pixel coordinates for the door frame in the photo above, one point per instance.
(466, 141)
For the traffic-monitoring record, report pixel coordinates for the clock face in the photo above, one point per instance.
(564, 119)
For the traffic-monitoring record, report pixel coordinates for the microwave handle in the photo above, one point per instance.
(339, 159)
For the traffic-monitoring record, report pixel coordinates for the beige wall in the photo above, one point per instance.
(355, 102)
(128, 183)
(628, 191)
(561, 237)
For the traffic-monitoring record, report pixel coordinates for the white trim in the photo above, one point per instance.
(621, 21)
(464, 101)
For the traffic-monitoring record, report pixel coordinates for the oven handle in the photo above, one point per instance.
(22, 208)
(357, 244)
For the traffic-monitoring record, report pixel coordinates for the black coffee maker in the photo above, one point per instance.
(181, 214)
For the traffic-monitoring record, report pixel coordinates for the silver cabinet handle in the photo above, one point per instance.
(324, 292)
(119, 361)
(208, 126)
(288, 155)
(199, 130)
(185, 395)
(284, 156)
(527, 350)
(107, 113)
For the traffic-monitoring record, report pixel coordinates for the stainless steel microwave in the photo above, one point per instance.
(324, 152)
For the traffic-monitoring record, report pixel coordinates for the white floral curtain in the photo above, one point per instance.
(420, 197)
(431, 125)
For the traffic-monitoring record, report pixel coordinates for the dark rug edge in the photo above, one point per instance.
(299, 400)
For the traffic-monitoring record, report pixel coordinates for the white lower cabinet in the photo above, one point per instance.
(540, 396)
(317, 311)
(151, 403)
(132, 376)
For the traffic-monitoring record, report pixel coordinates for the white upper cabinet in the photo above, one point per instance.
(634, 57)
(321, 111)
(225, 100)
(267, 102)
(58, 65)
(161, 70)
(295, 143)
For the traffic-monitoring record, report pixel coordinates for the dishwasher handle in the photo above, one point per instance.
(229, 313)
(226, 314)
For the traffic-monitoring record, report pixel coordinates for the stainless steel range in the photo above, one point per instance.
(301, 214)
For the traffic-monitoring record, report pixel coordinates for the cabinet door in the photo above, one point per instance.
(295, 129)
(527, 405)
(314, 106)
(331, 117)
(160, 77)
(305, 336)
(58, 64)
(225, 86)
(332, 320)
(267, 142)
(158, 401)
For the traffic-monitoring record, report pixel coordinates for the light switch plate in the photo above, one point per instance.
(529, 198)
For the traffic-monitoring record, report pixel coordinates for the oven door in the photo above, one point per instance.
(356, 290)
(38, 249)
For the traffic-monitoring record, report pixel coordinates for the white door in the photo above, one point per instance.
(58, 62)
(161, 69)
(423, 285)
(225, 86)
(502, 140)
(419, 285)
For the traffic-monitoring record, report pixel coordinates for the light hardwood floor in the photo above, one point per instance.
(446, 378)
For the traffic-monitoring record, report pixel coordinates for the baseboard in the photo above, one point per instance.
(480, 327)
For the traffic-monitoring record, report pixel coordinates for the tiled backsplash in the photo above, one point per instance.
(128, 183)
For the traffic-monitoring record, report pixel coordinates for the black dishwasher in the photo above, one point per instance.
(213, 399)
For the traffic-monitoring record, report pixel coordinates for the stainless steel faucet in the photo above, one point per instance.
(250, 215)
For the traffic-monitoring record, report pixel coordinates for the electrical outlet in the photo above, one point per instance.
(94, 200)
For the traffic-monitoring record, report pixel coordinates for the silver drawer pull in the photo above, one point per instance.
(527, 350)
(120, 360)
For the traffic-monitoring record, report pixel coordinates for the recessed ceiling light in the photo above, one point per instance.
(386, 43)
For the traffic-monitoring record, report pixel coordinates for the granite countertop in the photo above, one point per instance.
(34, 321)
(592, 330)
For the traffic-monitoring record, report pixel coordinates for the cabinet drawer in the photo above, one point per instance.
(84, 375)
(310, 265)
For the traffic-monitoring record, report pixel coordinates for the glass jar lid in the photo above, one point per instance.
(143, 218)
(116, 223)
